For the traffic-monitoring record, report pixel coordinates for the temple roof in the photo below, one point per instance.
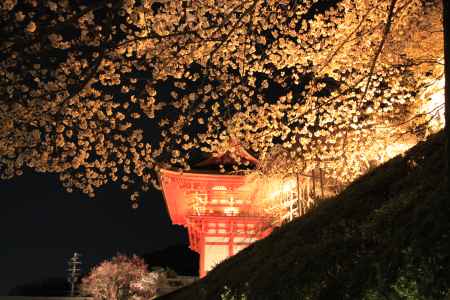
(228, 157)
(175, 184)
(178, 186)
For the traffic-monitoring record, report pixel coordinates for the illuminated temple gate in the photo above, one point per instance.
(218, 211)
(225, 213)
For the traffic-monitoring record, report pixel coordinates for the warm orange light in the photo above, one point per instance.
(435, 105)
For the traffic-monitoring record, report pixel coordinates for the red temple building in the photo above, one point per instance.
(225, 213)
(219, 210)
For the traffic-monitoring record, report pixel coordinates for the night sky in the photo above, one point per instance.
(41, 226)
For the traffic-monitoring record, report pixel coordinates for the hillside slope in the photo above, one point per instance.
(385, 237)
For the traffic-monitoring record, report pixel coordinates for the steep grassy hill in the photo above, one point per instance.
(384, 237)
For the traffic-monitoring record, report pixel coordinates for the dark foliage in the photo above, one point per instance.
(178, 258)
(55, 286)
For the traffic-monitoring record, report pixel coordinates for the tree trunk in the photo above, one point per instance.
(313, 177)
(447, 83)
(321, 183)
(299, 197)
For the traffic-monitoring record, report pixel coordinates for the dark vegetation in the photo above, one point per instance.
(50, 287)
(385, 237)
(178, 258)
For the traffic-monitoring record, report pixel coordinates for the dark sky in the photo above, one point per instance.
(41, 226)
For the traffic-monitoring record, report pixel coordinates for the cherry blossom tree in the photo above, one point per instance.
(122, 278)
(108, 91)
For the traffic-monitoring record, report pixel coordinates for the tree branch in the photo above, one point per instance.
(387, 28)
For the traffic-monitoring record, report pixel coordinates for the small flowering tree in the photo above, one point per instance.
(121, 278)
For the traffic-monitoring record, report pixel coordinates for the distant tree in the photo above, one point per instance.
(179, 258)
(121, 278)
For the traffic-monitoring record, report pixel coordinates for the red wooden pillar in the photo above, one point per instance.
(202, 272)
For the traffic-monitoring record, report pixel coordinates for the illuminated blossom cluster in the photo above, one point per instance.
(108, 91)
(122, 278)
